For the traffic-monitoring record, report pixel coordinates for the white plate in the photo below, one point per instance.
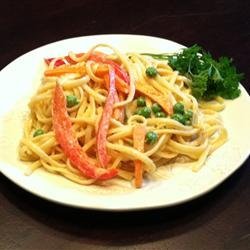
(19, 81)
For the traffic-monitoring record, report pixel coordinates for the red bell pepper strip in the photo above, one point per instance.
(118, 70)
(60, 62)
(71, 61)
(97, 57)
(69, 143)
(102, 131)
(102, 72)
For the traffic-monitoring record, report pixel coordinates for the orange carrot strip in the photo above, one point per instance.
(102, 70)
(139, 134)
(138, 173)
(155, 95)
(121, 85)
(119, 71)
(64, 70)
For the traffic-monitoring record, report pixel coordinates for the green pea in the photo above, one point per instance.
(71, 101)
(160, 115)
(179, 108)
(38, 132)
(179, 118)
(156, 108)
(188, 114)
(145, 111)
(151, 137)
(151, 71)
(141, 102)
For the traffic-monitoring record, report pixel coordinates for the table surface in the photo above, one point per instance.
(218, 220)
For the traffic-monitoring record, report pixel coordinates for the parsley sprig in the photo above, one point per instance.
(209, 77)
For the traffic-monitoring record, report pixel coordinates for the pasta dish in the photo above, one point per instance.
(98, 116)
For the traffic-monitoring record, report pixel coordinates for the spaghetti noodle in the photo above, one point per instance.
(98, 116)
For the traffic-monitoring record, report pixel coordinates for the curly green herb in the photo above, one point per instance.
(209, 77)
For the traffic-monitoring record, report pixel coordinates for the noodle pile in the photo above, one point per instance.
(177, 144)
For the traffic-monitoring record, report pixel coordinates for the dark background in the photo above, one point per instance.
(218, 220)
